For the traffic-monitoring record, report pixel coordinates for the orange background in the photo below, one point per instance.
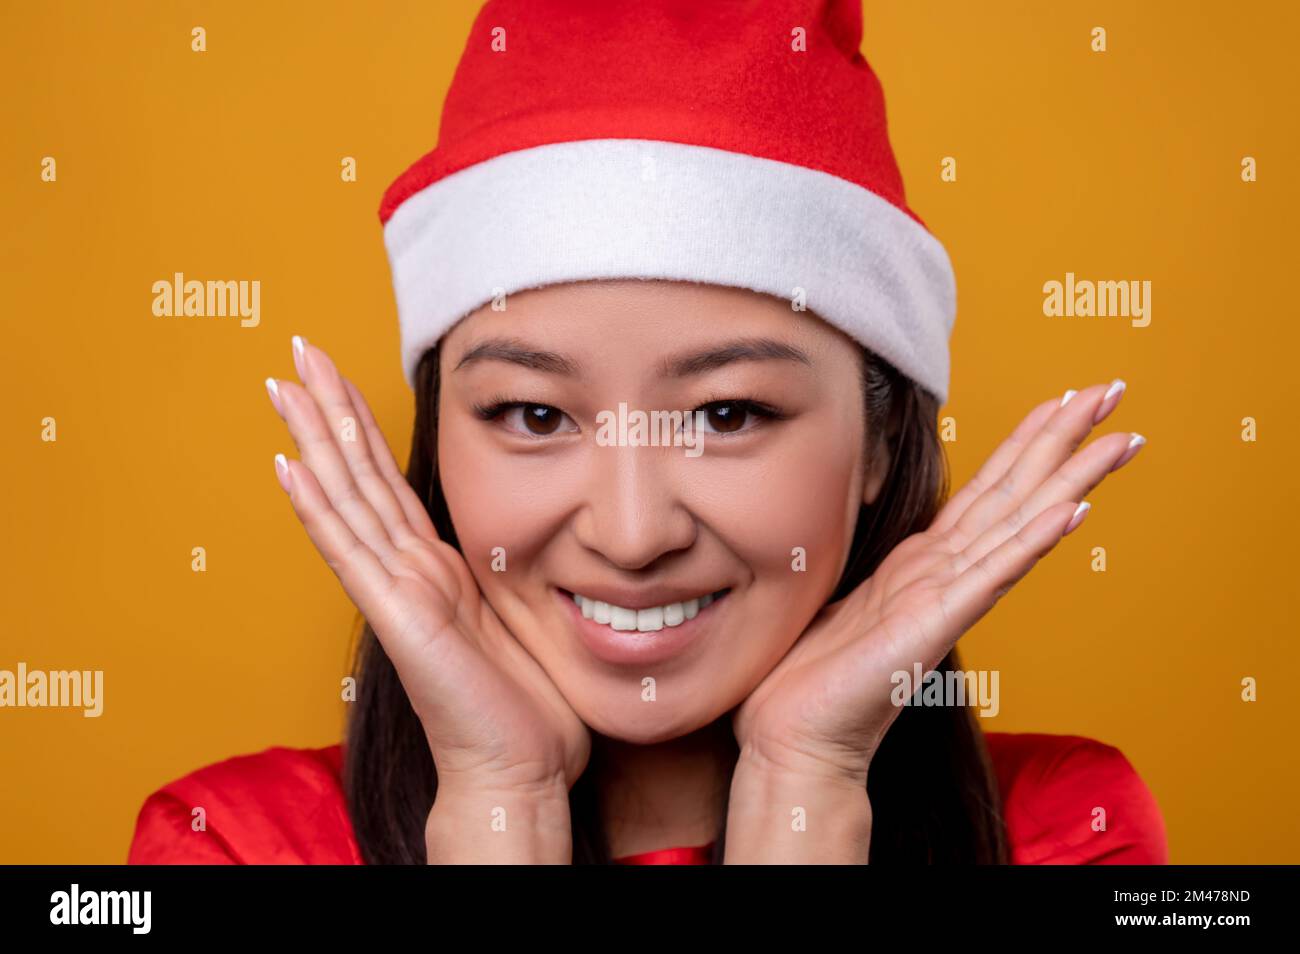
(225, 165)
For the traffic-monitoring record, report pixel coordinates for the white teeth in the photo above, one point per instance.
(649, 620)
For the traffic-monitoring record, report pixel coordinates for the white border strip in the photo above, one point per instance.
(634, 208)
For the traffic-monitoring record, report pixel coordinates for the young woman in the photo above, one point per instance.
(586, 645)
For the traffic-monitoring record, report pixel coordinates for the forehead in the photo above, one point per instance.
(644, 322)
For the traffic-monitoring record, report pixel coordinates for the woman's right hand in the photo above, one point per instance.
(494, 720)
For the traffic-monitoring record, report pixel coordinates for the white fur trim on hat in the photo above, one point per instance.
(633, 208)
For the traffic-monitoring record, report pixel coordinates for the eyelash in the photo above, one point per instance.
(498, 405)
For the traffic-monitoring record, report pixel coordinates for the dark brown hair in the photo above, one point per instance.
(933, 792)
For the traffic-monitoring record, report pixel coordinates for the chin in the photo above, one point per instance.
(624, 711)
(648, 731)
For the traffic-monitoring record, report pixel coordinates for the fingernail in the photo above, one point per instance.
(273, 389)
(1134, 445)
(299, 349)
(1110, 399)
(1080, 512)
(282, 471)
(1068, 394)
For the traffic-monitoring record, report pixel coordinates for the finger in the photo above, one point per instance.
(1064, 431)
(1073, 481)
(320, 453)
(357, 567)
(975, 591)
(997, 465)
(416, 514)
(324, 382)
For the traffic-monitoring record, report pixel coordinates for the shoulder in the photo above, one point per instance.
(278, 806)
(1067, 799)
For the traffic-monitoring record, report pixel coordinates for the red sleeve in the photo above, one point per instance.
(1076, 801)
(279, 806)
(164, 836)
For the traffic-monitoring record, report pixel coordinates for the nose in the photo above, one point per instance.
(634, 513)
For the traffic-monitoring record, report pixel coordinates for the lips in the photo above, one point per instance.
(649, 619)
(644, 635)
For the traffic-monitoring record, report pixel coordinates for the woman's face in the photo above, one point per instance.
(759, 509)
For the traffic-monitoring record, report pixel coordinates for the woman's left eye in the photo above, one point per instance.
(535, 420)
(730, 417)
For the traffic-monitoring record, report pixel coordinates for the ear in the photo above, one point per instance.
(877, 471)
(881, 457)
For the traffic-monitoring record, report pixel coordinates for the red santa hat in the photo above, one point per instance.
(733, 143)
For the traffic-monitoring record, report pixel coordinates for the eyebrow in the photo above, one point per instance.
(746, 349)
(518, 352)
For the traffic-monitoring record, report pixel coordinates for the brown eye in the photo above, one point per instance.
(540, 419)
(727, 417)
(737, 416)
(535, 420)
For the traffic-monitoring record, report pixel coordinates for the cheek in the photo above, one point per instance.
(788, 517)
(804, 493)
(497, 500)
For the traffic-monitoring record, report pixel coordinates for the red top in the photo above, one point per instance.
(286, 806)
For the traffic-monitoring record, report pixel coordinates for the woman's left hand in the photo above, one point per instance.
(823, 710)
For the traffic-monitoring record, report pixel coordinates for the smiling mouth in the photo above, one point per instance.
(648, 620)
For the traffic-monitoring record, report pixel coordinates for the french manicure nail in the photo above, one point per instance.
(1116, 388)
(282, 471)
(273, 389)
(299, 349)
(1135, 442)
(1068, 394)
(1080, 512)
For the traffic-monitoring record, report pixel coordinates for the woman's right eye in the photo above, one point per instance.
(535, 420)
